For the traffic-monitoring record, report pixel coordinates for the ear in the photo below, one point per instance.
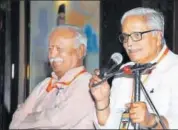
(81, 51)
(159, 38)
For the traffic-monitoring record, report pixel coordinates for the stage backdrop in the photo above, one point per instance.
(45, 15)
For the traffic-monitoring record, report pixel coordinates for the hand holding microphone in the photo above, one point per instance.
(101, 94)
(100, 89)
(127, 70)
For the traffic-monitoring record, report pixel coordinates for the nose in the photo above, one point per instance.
(52, 52)
(129, 42)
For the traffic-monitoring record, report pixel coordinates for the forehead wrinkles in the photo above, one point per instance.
(134, 23)
(64, 33)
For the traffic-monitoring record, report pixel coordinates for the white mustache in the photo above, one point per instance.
(56, 60)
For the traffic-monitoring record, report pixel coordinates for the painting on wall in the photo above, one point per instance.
(85, 14)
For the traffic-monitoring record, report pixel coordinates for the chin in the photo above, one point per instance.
(137, 60)
(56, 70)
(133, 58)
(58, 73)
(140, 61)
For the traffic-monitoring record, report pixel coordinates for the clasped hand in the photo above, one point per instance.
(139, 114)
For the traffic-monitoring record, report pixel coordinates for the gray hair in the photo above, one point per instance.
(80, 35)
(155, 19)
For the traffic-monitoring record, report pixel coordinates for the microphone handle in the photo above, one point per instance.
(115, 65)
(120, 72)
(97, 84)
(107, 77)
(103, 71)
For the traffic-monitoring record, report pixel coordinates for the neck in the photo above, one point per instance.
(61, 73)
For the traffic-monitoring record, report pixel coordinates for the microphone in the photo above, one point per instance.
(116, 59)
(129, 69)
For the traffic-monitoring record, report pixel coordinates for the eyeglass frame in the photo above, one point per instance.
(141, 33)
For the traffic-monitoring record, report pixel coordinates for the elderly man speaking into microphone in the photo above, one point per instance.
(62, 101)
(143, 39)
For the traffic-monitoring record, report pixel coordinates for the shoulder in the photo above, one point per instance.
(171, 59)
(170, 64)
(170, 79)
(169, 71)
(80, 88)
(82, 80)
(81, 84)
(85, 77)
(41, 86)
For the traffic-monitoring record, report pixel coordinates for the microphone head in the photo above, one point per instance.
(117, 58)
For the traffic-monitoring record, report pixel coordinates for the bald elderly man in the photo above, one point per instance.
(62, 101)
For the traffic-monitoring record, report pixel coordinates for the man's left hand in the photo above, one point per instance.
(139, 114)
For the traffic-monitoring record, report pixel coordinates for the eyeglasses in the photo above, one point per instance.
(135, 36)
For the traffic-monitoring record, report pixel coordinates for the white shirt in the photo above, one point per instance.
(162, 87)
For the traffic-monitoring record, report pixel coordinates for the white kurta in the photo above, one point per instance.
(161, 85)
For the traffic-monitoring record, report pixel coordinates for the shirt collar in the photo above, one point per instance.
(160, 54)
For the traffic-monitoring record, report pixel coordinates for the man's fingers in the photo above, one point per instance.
(97, 72)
